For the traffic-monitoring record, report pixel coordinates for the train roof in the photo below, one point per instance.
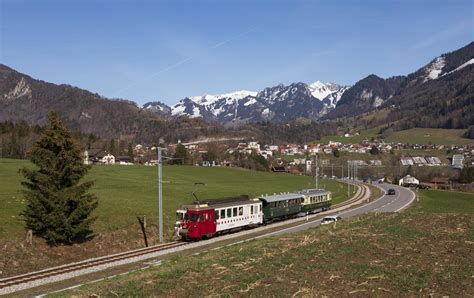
(221, 202)
(281, 197)
(210, 202)
(313, 191)
(293, 195)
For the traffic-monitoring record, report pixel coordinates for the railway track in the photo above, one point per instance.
(13, 284)
(361, 192)
(28, 277)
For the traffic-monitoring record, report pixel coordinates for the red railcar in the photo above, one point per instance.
(206, 218)
(195, 221)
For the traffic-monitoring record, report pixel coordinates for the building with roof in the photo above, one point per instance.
(408, 181)
(458, 160)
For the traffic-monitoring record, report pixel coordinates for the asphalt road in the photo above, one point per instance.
(387, 203)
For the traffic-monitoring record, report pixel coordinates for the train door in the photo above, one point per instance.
(207, 222)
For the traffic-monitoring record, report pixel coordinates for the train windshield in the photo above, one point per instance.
(193, 217)
(181, 215)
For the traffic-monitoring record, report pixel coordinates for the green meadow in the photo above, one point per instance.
(423, 251)
(411, 136)
(126, 192)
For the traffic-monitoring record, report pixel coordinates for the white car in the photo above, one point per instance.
(330, 219)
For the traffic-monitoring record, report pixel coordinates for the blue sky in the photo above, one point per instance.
(166, 50)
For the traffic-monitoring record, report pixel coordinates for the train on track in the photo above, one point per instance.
(208, 218)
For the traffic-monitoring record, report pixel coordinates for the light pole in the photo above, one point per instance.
(160, 195)
(348, 179)
(160, 190)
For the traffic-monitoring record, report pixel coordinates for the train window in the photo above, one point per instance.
(222, 213)
(251, 209)
(216, 214)
(202, 217)
(206, 216)
(193, 217)
(229, 212)
(260, 208)
(241, 211)
(234, 211)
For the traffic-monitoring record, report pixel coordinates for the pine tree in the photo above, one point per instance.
(130, 152)
(58, 206)
(374, 150)
(181, 153)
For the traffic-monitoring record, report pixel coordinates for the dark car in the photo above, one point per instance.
(391, 191)
(422, 186)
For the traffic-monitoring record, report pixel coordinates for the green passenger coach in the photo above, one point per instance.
(281, 206)
(315, 200)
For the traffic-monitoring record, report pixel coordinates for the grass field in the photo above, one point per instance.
(125, 192)
(364, 134)
(423, 251)
(412, 136)
(430, 135)
(441, 201)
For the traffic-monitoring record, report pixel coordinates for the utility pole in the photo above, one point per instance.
(316, 170)
(160, 195)
(160, 189)
(348, 180)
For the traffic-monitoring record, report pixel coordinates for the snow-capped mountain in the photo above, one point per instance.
(320, 100)
(443, 78)
(157, 107)
(278, 103)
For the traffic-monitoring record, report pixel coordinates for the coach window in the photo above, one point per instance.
(234, 211)
(260, 207)
(229, 212)
(241, 211)
(222, 213)
(216, 214)
(251, 209)
(193, 217)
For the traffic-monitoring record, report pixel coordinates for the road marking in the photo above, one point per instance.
(396, 198)
(407, 204)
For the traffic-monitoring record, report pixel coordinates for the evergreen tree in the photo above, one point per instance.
(181, 153)
(130, 151)
(466, 175)
(335, 152)
(374, 150)
(112, 149)
(58, 206)
(409, 170)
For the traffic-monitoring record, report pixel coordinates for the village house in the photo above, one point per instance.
(271, 147)
(98, 156)
(266, 153)
(254, 146)
(408, 181)
(313, 148)
(124, 160)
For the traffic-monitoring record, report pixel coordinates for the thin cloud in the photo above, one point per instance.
(183, 61)
(442, 35)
